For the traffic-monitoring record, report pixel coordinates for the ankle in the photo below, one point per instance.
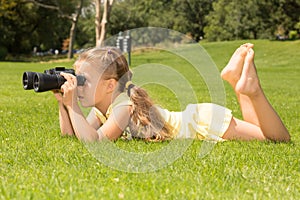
(256, 94)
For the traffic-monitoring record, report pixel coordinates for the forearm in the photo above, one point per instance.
(66, 127)
(82, 129)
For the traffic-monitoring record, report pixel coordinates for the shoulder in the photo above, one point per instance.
(122, 99)
(122, 102)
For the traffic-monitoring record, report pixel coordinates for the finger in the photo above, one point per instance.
(69, 77)
(63, 88)
(68, 87)
(56, 91)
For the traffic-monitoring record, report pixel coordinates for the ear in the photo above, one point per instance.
(111, 85)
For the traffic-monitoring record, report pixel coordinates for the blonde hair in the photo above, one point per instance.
(146, 121)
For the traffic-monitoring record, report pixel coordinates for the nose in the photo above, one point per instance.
(79, 89)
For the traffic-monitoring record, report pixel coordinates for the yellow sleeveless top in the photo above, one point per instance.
(121, 100)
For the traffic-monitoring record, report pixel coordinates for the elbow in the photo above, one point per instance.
(89, 135)
(284, 137)
(88, 138)
(67, 133)
(287, 138)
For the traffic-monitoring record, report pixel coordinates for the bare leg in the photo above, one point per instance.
(270, 125)
(232, 73)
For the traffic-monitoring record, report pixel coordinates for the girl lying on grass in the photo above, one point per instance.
(119, 106)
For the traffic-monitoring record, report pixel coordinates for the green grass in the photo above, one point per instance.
(37, 163)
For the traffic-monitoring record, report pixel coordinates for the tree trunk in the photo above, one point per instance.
(101, 24)
(73, 29)
(72, 38)
(98, 21)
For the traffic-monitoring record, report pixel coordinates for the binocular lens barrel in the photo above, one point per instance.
(45, 82)
(28, 80)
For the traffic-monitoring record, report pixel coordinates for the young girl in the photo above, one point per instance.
(119, 106)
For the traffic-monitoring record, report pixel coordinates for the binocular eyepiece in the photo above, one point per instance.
(49, 80)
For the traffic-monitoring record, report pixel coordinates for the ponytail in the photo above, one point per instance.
(128, 86)
(146, 120)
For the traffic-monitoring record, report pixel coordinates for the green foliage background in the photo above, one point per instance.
(24, 25)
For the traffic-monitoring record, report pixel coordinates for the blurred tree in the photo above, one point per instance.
(74, 19)
(186, 16)
(189, 16)
(251, 19)
(126, 15)
(46, 23)
(23, 25)
(286, 16)
(7, 14)
(86, 28)
(66, 9)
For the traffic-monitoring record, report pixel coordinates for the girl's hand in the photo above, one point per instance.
(69, 89)
(58, 95)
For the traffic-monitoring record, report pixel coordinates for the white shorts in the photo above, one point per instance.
(205, 121)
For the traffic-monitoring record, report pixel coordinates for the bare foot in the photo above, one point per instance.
(232, 71)
(248, 83)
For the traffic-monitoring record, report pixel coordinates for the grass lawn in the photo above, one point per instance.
(37, 163)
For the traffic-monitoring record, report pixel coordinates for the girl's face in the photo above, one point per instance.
(93, 91)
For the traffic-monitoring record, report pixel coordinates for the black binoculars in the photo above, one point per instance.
(49, 80)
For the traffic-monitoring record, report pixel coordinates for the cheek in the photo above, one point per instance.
(89, 88)
(98, 92)
(92, 92)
